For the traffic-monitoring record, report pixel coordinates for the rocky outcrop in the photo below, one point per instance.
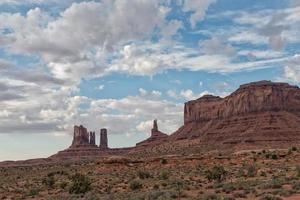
(92, 138)
(103, 139)
(155, 138)
(80, 136)
(257, 112)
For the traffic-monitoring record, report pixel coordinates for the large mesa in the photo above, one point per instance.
(259, 113)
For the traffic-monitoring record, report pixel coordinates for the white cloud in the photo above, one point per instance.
(100, 87)
(172, 94)
(145, 126)
(217, 46)
(292, 69)
(260, 54)
(273, 27)
(186, 95)
(198, 9)
(149, 94)
(190, 95)
(72, 43)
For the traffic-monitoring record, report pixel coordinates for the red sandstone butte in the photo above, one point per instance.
(259, 113)
(156, 137)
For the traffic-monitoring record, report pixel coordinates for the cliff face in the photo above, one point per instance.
(249, 98)
(259, 111)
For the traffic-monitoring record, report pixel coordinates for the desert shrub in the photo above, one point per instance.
(274, 157)
(63, 185)
(49, 181)
(274, 184)
(217, 173)
(143, 174)
(294, 148)
(164, 175)
(80, 184)
(178, 186)
(163, 161)
(135, 185)
(33, 192)
(251, 170)
(298, 171)
(296, 186)
(271, 155)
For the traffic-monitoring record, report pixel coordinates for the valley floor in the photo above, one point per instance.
(246, 175)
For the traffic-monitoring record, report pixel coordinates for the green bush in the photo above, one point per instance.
(80, 184)
(164, 175)
(135, 185)
(217, 173)
(272, 156)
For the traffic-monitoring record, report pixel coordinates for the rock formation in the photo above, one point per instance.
(103, 139)
(155, 138)
(257, 115)
(92, 138)
(81, 136)
(259, 112)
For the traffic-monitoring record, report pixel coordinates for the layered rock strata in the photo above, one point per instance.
(256, 113)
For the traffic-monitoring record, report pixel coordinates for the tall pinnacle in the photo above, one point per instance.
(155, 127)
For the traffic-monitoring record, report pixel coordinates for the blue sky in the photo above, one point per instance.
(120, 64)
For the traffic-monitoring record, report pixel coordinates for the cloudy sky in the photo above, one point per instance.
(122, 63)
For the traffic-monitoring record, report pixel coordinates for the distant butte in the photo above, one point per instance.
(258, 115)
(156, 137)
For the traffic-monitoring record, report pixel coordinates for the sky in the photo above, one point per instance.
(120, 64)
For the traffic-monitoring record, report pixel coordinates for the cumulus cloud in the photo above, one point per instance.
(149, 94)
(71, 43)
(292, 69)
(273, 27)
(198, 9)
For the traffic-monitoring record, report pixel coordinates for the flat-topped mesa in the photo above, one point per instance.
(155, 138)
(254, 97)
